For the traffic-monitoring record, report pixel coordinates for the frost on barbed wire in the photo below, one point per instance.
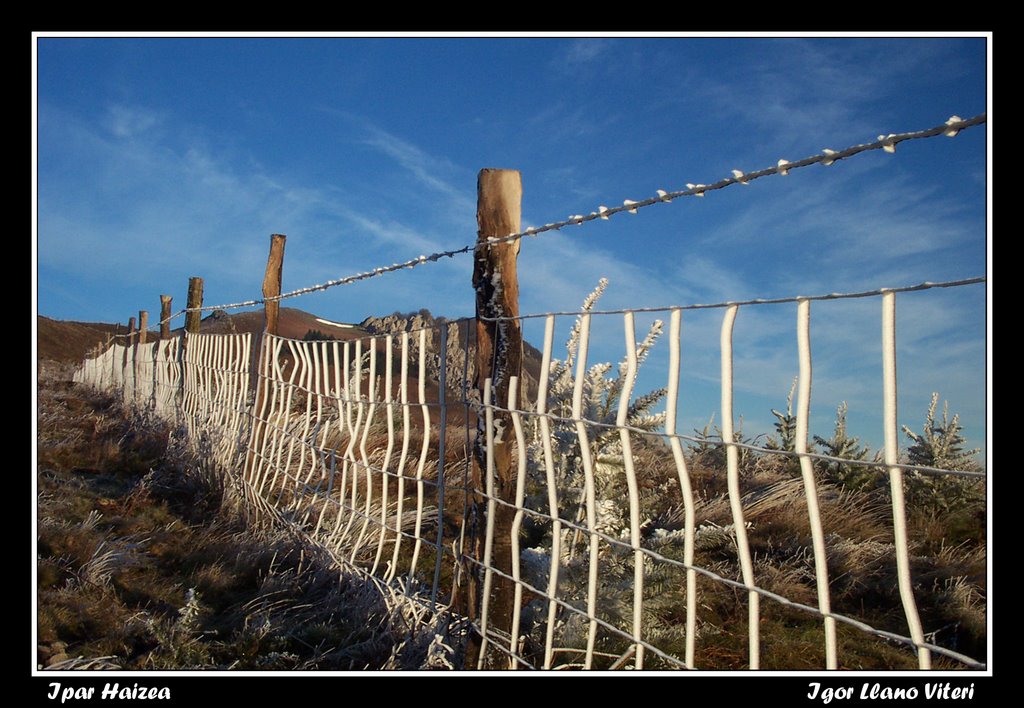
(887, 142)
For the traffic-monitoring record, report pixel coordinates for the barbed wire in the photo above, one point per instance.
(694, 439)
(927, 285)
(720, 443)
(951, 127)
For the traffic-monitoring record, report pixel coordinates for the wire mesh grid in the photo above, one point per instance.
(619, 541)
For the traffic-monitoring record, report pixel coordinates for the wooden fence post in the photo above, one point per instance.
(499, 358)
(165, 317)
(272, 282)
(271, 316)
(195, 300)
(143, 324)
(129, 353)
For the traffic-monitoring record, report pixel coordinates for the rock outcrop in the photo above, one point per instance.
(458, 368)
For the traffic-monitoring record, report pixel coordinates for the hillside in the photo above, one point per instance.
(69, 342)
(292, 323)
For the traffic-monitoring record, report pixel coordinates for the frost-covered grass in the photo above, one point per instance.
(146, 561)
(196, 583)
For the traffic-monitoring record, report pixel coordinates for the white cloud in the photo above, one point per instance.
(128, 121)
(428, 170)
(585, 50)
(184, 209)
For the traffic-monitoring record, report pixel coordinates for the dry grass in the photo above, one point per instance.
(205, 587)
(145, 561)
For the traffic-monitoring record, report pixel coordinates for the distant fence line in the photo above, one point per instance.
(429, 472)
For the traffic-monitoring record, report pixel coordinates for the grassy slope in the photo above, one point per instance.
(144, 563)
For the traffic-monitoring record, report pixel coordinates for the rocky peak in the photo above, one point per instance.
(396, 323)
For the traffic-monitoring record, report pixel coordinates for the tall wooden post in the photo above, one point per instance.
(129, 355)
(499, 358)
(195, 300)
(165, 317)
(143, 324)
(271, 315)
(272, 282)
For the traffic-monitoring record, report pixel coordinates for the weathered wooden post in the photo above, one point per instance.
(272, 282)
(143, 324)
(129, 356)
(271, 315)
(195, 300)
(499, 358)
(193, 318)
(139, 353)
(165, 317)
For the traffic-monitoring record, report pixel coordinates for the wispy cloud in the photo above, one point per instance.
(427, 169)
(794, 90)
(857, 228)
(128, 121)
(585, 50)
(580, 52)
(186, 209)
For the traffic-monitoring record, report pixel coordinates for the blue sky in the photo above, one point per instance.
(160, 158)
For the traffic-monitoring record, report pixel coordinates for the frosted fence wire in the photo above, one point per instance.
(334, 441)
(826, 157)
(215, 376)
(587, 428)
(343, 440)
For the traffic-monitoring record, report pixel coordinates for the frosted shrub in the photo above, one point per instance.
(603, 386)
(940, 444)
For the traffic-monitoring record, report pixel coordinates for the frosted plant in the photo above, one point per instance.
(785, 425)
(848, 448)
(707, 446)
(601, 395)
(940, 445)
(602, 386)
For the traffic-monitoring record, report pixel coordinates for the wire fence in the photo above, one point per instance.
(366, 446)
(827, 157)
(618, 542)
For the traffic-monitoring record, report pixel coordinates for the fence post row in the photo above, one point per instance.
(499, 366)
(499, 363)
